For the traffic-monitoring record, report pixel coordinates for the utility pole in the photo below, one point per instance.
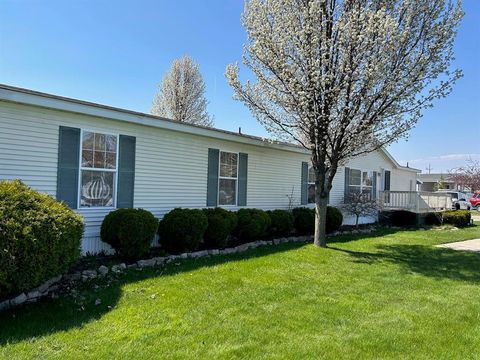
(429, 168)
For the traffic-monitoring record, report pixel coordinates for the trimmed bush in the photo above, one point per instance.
(433, 218)
(334, 219)
(253, 224)
(458, 218)
(304, 220)
(221, 224)
(281, 223)
(182, 230)
(401, 218)
(129, 231)
(39, 237)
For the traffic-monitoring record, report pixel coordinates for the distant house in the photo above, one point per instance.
(98, 158)
(435, 181)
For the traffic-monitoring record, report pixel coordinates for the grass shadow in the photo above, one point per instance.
(51, 316)
(425, 260)
(65, 313)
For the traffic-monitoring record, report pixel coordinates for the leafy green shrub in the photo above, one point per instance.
(39, 237)
(458, 218)
(334, 219)
(433, 218)
(281, 223)
(403, 218)
(221, 224)
(182, 230)
(129, 232)
(252, 224)
(304, 220)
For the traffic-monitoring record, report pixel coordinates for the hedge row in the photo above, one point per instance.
(39, 237)
(130, 231)
(459, 218)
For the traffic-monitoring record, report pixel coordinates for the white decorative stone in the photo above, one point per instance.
(98, 302)
(183, 256)
(132, 266)
(159, 260)
(119, 267)
(103, 270)
(146, 263)
(241, 247)
(198, 254)
(213, 252)
(89, 274)
(20, 299)
(34, 294)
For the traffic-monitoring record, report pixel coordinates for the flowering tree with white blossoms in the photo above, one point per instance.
(181, 95)
(344, 78)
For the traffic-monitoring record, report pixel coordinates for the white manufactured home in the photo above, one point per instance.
(97, 158)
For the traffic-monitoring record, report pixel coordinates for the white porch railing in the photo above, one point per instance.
(416, 201)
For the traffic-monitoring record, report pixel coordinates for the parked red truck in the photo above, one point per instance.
(475, 201)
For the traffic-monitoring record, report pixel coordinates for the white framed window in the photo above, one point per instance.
(98, 170)
(311, 185)
(228, 178)
(360, 181)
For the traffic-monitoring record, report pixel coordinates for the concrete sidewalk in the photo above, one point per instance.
(468, 245)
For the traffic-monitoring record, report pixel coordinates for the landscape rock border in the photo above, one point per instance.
(51, 286)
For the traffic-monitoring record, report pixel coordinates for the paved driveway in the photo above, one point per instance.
(469, 245)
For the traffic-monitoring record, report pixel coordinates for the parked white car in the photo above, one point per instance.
(460, 200)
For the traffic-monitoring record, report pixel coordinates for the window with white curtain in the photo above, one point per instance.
(98, 169)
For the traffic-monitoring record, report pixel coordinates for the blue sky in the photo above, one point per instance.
(116, 53)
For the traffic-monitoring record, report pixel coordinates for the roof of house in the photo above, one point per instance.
(433, 177)
(56, 102)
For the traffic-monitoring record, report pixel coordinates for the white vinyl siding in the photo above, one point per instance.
(170, 167)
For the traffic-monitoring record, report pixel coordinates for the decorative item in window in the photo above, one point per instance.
(98, 170)
(227, 182)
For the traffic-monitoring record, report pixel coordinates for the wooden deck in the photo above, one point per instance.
(415, 201)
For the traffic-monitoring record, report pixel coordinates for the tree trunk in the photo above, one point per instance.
(356, 222)
(320, 238)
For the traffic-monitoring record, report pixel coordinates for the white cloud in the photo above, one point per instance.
(441, 163)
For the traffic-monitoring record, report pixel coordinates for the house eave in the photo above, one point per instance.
(55, 102)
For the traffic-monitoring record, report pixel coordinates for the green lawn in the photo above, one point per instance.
(392, 295)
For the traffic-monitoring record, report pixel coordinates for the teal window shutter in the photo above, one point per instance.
(126, 171)
(68, 165)
(304, 184)
(242, 179)
(212, 177)
(387, 181)
(346, 187)
(374, 185)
